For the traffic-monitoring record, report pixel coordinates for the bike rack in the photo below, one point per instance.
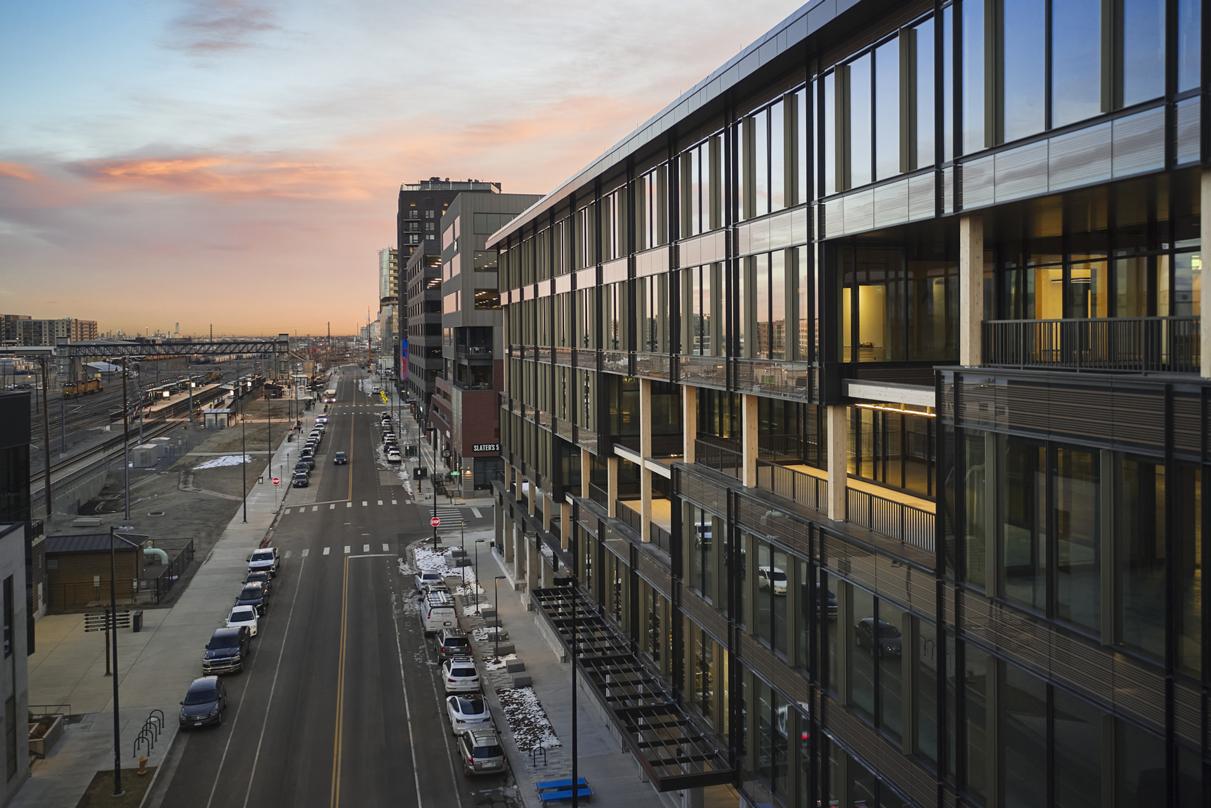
(534, 755)
(149, 733)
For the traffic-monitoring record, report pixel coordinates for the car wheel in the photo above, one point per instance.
(219, 723)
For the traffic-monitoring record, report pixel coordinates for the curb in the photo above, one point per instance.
(151, 787)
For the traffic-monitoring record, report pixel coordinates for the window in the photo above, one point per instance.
(777, 157)
(1189, 34)
(1076, 61)
(1142, 69)
(1077, 739)
(8, 616)
(972, 22)
(1022, 738)
(1023, 74)
(766, 309)
(1139, 542)
(701, 322)
(887, 110)
(858, 86)
(487, 299)
(651, 208)
(758, 143)
(1077, 565)
(828, 169)
(613, 224)
(1023, 567)
(802, 129)
(860, 677)
(652, 312)
(979, 499)
(923, 79)
(614, 316)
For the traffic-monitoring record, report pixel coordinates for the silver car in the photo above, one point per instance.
(481, 751)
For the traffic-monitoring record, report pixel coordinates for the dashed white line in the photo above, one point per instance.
(346, 549)
(306, 552)
(475, 511)
(333, 505)
(365, 548)
(348, 504)
(364, 503)
(286, 512)
(386, 547)
(327, 550)
(380, 502)
(288, 553)
(315, 508)
(392, 502)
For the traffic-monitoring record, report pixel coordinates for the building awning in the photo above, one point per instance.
(674, 751)
(90, 543)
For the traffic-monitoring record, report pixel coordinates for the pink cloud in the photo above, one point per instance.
(17, 171)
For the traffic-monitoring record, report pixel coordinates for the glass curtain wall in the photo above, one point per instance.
(702, 311)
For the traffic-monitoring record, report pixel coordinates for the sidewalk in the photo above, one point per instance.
(613, 774)
(156, 665)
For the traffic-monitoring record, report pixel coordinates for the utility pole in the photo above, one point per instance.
(239, 398)
(46, 487)
(125, 441)
(113, 624)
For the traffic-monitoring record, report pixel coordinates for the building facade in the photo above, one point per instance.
(421, 365)
(466, 400)
(35, 332)
(858, 402)
(417, 221)
(388, 309)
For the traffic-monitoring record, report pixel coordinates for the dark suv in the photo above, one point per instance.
(253, 595)
(204, 703)
(225, 651)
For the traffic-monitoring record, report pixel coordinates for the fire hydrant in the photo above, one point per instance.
(142, 770)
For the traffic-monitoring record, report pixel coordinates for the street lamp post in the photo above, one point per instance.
(496, 634)
(433, 482)
(575, 628)
(125, 444)
(477, 543)
(113, 626)
(239, 399)
(462, 566)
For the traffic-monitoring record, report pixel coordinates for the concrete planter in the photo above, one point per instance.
(44, 734)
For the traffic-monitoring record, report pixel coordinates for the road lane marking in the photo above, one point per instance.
(407, 707)
(352, 424)
(380, 502)
(365, 548)
(331, 506)
(273, 687)
(392, 502)
(306, 552)
(346, 549)
(386, 547)
(287, 554)
(326, 550)
(286, 512)
(364, 503)
(315, 508)
(340, 691)
(478, 515)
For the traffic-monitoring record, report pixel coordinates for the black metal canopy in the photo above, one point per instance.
(672, 749)
(175, 347)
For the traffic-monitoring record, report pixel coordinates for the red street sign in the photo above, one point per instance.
(435, 521)
(277, 480)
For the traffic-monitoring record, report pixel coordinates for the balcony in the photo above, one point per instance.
(630, 511)
(1127, 344)
(475, 352)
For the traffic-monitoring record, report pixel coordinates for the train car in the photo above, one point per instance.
(84, 388)
(214, 376)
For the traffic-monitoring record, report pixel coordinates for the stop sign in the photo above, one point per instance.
(277, 480)
(435, 521)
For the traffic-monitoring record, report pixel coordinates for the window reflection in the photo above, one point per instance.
(887, 110)
(1143, 43)
(858, 85)
(1022, 74)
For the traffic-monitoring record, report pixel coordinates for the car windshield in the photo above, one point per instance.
(470, 706)
(242, 615)
(263, 555)
(224, 640)
(462, 673)
(777, 575)
(340, 455)
(456, 642)
(489, 751)
(250, 592)
(888, 630)
(199, 695)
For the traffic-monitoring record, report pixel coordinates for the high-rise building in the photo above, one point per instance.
(388, 307)
(466, 395)
(35, 332)
(862, 393)
(10, 328)
(418, 215)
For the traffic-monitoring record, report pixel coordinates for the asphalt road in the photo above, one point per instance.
(339, 704)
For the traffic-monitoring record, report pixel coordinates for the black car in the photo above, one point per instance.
(300, 480)
(225, 651)
(340, 459)
(253, 595)
(303, 467)
(888, 640)
(261, 577)
(306, 460)
(204, 703)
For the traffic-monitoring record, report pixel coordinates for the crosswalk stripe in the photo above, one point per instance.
(315, 508)
(380, 502)
(364, 503)
(348, 504)
(346, 549)
(288, 554)
(327, 550)
(286, 512)
(476, 512)
(365, 548)
(386, 547)
(331, 506)
(306, 552)
(392, 502)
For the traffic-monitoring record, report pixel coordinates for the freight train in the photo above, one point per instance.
(85, 388)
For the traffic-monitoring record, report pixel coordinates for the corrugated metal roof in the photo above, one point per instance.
(791, 32)
(89, 543)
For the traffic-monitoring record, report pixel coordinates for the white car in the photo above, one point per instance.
(459, 675)
(243, 616)
(393, 456)
(321, 421)
(467, 712)
(772, 578)
(264, 560)
(427, 579)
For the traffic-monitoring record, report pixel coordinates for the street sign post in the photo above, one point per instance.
(435, 521)
(277, 481)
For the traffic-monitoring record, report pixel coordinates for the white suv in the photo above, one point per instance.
(459, 675)
(264, 560)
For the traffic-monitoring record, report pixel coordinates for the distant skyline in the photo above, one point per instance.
(238, 163)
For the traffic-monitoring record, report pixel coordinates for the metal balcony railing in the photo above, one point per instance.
(788, 483)
(913, 526)
(1131, 344)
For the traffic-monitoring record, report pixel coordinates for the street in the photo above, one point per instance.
(339, 704)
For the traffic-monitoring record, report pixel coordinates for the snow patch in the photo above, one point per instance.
(527, 720)
(222, 462)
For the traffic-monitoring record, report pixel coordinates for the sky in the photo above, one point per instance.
(236, 163)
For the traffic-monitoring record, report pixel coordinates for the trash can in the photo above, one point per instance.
(136, 620)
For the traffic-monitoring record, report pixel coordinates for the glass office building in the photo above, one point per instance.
(857, 403)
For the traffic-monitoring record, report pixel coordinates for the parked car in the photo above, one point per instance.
(322, 420)
(266, 559)
(300, 480)
(204, 703)
(303, 467)
(459, 675)
(772, 578)
(388, 437)
(452, 642)
(393, 456)
(253, 595)
(243, 617)
(427, 578)
(262, 577)
(225, 651)
(889, 637)
(340, 459)
(480, 751)
(467, 712)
